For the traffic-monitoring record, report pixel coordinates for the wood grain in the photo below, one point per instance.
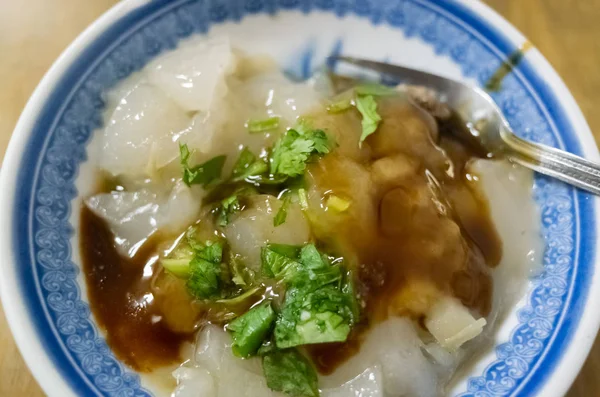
(567, 32)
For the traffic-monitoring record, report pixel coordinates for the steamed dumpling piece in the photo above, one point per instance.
(135, 216)
(153, 110)
(194, 75)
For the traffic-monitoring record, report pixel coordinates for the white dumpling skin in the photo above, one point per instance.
(141, 133)
(193, 382)
(194, 75)
(395, 347)
(135, 216)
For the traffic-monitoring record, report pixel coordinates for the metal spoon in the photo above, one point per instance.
(492, 129)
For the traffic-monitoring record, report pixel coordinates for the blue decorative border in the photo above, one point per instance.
(73, 111)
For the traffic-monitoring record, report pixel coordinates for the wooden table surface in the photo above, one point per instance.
(32, 34)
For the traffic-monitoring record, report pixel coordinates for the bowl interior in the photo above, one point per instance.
(449, 39)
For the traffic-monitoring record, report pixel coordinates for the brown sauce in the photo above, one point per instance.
(122, 302)
(418, 228)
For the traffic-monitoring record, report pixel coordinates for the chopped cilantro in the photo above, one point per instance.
(310, 257)
(279, 260)
(279, 218)
(310, 316)
(248, 165)
(290, 372)
(228, 206)
(367, 107)
(263, 125)
(202, 174)
(267, 347)
(205, 271)
(339, 106)
(293, 150)
(249, 330)
(318, 307)
(178, 267)
(240, 274)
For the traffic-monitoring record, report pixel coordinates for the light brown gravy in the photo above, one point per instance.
(423, 230)
(418, 227)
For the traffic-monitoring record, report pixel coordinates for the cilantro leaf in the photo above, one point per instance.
(311, 279)
(321, 143)
(203, 282)
(267, 347)
(291, 373)
(263, 125)
(279, 218)
(228, 206)
(202, 174)
(310, 257)
(178, 267)
(178, 261)
(322, 315)
(241, 275)
(248, 165)
(291, 251)
(367, 107)
(293, 150)
(339, 106)
(212, 252)
(249, 330)
(279, 260)
(205, 271)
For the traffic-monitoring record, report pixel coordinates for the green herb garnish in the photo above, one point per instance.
(313, 315)
(263, 125)
(228, 206)
(205, 271)
(367, 107)
(293, 150)
(178, 261)
(311, 258)
(317, 308)
(248, 165)
(249, 330)
(202, 174)
(178, 267)
(281, 215)
(339, 106)
(279, 260)
(240, 274)
(290, 372)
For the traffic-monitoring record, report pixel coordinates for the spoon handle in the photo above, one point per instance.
(557, 163)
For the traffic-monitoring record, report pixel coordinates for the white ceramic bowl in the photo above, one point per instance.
(540, 347)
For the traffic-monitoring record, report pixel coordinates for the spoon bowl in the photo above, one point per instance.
(489, 127)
